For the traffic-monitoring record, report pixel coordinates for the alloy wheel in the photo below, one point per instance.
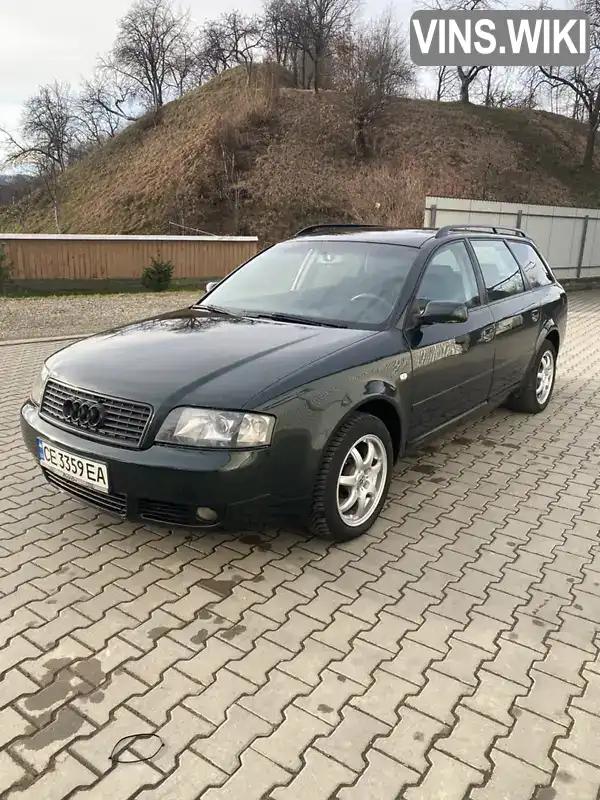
(362, 480)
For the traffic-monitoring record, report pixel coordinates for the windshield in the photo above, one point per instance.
(344, 282)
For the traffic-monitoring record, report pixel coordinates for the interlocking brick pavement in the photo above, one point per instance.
(451, 653)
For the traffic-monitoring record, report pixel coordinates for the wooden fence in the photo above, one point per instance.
(46, 257)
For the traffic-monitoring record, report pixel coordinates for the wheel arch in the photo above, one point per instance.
(553, 336)
(387, 412)
(384, 408)
(549, 332)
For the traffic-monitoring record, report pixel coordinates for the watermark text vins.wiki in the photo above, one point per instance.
(499, 38)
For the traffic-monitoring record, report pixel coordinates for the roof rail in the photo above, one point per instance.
(341, 226)
(447, 229)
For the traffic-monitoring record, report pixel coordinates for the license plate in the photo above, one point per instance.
(81, 470)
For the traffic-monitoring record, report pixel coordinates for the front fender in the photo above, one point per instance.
(378, 401)
(309, 416)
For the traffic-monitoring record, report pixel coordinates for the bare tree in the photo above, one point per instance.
(108, 94)
(296, 28)
(372, 66)
(489, 75)
(185, 64)
(466, 75)
(231, 40)
(439, 84)
(97, 112)
(318, 24)
(278, 20)
(152, 44)
(582, 83)
(245, 37)
(48, 139)
(528, 88)
(300, 34)
(500, 87)
(301, 59)
(214, 53)
(444, 80)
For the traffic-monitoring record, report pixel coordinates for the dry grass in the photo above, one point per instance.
(253, 156)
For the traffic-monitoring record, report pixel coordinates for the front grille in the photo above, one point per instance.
(113, 503)
(124, 421)
(116, 504)
(156, 511)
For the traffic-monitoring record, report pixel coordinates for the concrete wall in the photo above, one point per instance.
(568, 237)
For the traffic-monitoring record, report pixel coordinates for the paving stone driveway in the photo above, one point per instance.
(452, 653)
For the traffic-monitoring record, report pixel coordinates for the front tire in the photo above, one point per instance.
(354, 479)
(537, 391)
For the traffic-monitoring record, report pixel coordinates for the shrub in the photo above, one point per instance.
(4, 270)
(157, 277)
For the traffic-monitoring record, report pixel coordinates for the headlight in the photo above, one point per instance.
(37, 390)
(203, 427)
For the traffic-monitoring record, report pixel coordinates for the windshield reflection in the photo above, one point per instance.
(180, 321)
(345, 283)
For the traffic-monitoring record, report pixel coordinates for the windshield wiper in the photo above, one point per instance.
(280, 317)
(215, 309)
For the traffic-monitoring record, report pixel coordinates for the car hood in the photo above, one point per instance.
(193, 357)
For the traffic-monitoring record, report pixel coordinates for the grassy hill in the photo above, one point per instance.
(262, 158)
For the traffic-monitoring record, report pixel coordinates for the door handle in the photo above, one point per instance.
(487, 334)
(535, 315)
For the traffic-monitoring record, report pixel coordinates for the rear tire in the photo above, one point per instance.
(537, 390)
(354, 479)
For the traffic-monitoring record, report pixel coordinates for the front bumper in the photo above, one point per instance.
(166, 485)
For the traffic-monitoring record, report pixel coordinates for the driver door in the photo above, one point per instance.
(452, 362)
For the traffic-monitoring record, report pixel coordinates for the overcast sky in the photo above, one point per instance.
(46, 40)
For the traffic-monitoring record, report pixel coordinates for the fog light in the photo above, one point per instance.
(206, 514)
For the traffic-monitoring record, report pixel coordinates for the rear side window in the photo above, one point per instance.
(501, 273)
(532, 265)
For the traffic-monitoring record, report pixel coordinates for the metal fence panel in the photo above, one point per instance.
(568, 237)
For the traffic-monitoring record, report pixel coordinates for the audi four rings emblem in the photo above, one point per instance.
(83, 413)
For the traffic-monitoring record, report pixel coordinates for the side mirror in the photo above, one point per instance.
(441, 311)
(211, 285)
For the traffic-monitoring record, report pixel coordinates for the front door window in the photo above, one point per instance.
(448, 277)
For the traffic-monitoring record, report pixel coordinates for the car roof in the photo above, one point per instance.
(410, 237)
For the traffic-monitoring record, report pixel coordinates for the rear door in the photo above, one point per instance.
(550, 294)
(452, 362)
(516, 312)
